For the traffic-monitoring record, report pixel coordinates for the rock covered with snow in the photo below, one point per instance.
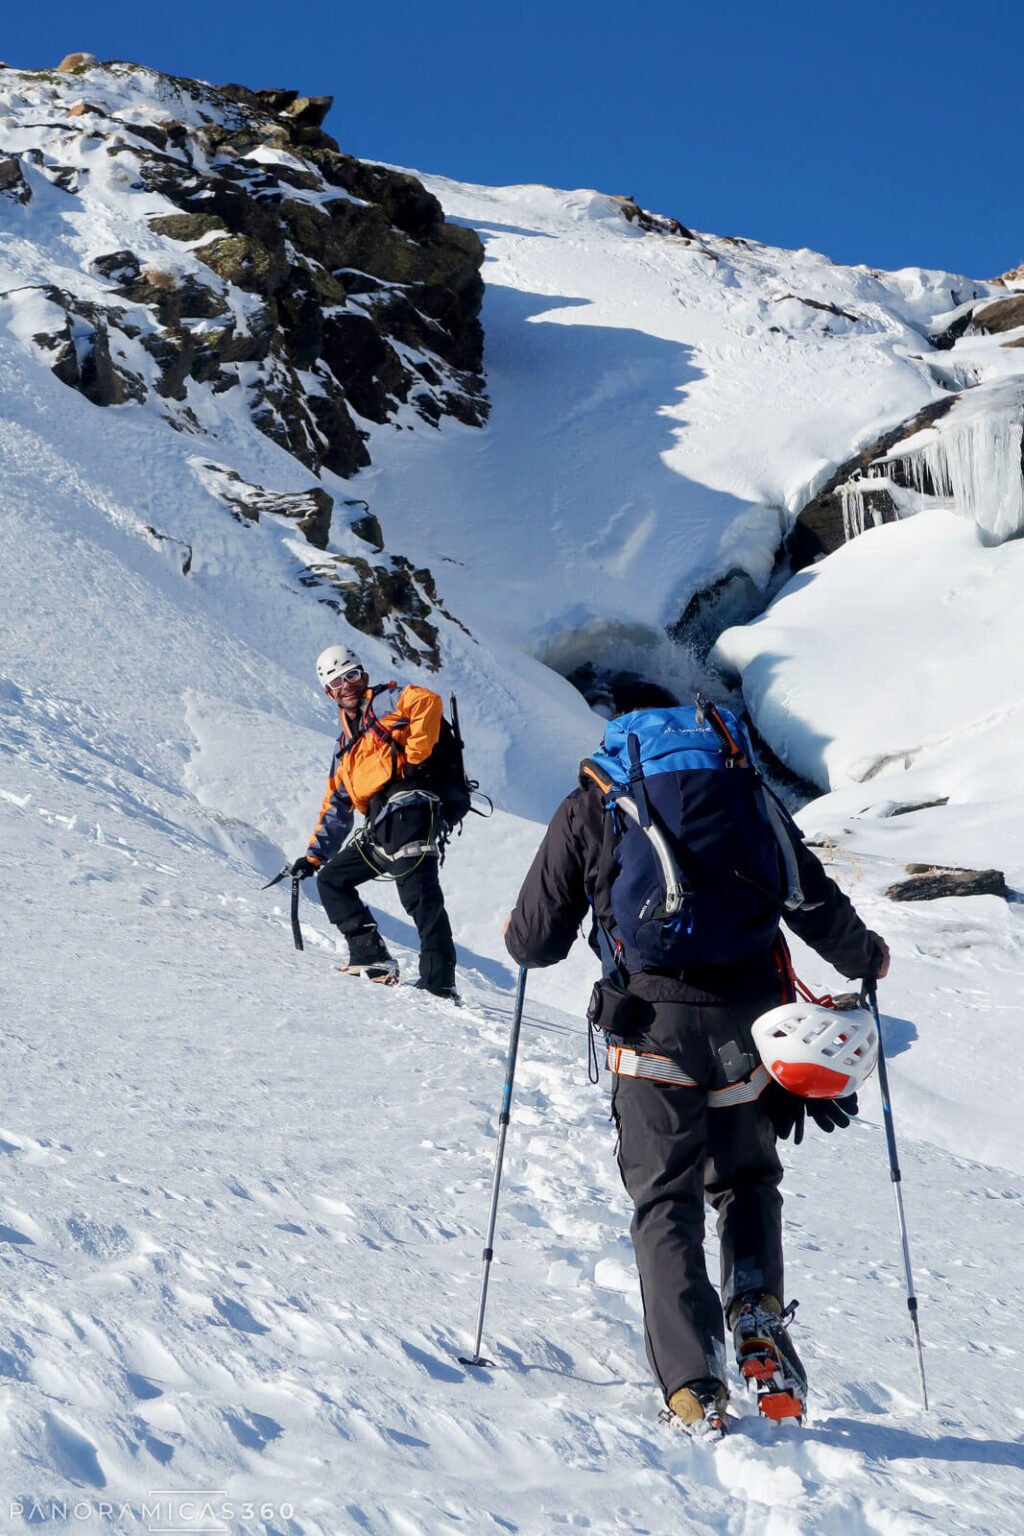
(964, 451)
(250, 255)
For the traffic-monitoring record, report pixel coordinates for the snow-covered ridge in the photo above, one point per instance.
(684, 397)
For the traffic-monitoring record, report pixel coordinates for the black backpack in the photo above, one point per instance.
(444, 774)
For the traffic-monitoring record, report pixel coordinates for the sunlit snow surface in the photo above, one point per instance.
(243, 1201)
(242, 1198)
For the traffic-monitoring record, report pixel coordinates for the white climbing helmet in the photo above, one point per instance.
(335, 662)
(819, 1053)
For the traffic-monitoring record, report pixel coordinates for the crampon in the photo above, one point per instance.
(384, 972)
(767, 1360)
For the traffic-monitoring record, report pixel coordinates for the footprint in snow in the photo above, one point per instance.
(15, 1366)
(12, 1235)
(141, 1387)
(255, 1431)
(236, 1315)
(430, 1363)
(72, 1452)
(97, 1239)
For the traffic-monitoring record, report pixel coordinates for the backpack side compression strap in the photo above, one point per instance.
(676, 889)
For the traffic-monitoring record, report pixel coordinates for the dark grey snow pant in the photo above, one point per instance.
(675, 1151)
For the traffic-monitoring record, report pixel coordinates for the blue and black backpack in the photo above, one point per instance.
(706, 854)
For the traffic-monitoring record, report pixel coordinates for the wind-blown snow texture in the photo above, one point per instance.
(241, 1197)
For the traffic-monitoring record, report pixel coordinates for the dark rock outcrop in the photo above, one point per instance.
(652, 223)
(929, 882)
(367, 526)
(13, 186)
(84, 356)
(367, 301)
(393, 602)
(822, 525)
(1003, 315)
(309, 510)
(417, 278)
(118, 267)
(828, 309)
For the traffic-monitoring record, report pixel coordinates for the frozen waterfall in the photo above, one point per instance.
(972, 459)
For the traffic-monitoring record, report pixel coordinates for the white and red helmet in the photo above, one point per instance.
(818, 1053)
(335, 662)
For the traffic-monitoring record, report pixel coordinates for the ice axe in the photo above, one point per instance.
(296, 930)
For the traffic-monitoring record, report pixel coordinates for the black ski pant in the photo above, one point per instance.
(674, 1152)
(419, 891)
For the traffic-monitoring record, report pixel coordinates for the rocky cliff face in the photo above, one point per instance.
(324, 289)
(213, 249)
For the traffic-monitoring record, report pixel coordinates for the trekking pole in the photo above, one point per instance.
(894, 1171)
(296, 929)
(503, 1119)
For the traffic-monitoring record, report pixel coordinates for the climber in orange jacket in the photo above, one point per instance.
(381, 769)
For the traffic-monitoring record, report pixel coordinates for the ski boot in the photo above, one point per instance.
(699, 1410)
(767, 1361)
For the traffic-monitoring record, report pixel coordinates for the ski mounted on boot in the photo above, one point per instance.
(767, 1360)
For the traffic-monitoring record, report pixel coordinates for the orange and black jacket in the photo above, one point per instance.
(372, 753)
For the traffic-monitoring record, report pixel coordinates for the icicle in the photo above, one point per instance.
(851, 499)
(858, 504)
(972, 460)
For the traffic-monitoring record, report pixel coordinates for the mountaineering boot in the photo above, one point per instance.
(437, 989)
(368, 956)
(765, 1355)
(699, 1409)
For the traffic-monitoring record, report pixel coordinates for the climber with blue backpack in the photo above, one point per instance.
(686, 863)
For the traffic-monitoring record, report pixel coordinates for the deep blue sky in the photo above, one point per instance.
(885, 133)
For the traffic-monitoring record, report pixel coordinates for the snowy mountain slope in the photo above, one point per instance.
(241, 1218)
(242, 1199)
(662, 407)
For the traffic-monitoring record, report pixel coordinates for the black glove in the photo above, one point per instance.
(832, 1114)
(787, 1111)
(303, 867)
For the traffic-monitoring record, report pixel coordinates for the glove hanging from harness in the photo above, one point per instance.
(788, 1111)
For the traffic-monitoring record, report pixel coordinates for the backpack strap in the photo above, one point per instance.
(676, 888)
(636, 781)
(371, 723)
(769, 806)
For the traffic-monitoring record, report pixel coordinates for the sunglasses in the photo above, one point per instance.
(346, 677)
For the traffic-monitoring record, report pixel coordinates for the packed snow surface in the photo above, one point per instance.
(243, 1197)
